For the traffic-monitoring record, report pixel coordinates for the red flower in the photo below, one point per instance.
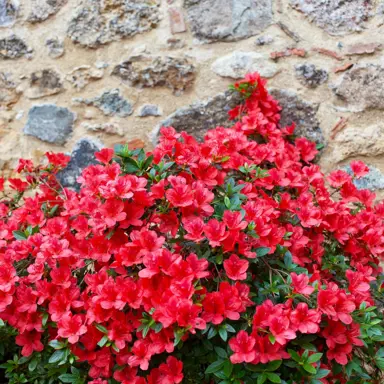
(359, 168)
(215, 232)
(300, 284)
(30, 341)
(71, 328)
(236, 268)
(243, 347)
(305, 320)
(173, 370)
(105, 155)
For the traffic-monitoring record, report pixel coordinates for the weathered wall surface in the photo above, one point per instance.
(114, 70)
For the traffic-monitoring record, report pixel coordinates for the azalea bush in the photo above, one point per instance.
(234, 260)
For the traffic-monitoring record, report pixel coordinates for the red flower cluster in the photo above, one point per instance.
(239, 230)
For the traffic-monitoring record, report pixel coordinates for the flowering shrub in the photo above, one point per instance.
(227, 261)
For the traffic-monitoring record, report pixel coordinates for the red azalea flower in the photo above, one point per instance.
(236, 268)
(243, 347)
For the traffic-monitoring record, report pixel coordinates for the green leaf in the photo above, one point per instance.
(288, 259)
(295, 356)
(314, 358)
(273, 365)
(68, 378)
(101, 328)
(223, 334)
(214, 367)
(212, 333)
(262, 251)
(227, 202)
(228, 368)
(33, 364)
(309, 368)
(272, 338)
(221, 352)
(57, 356)
(380, 363)
(20, 235)
(273, 377)
(103, 341)
(56, 344)
(262, 378)
(45, 319)
(229, 328)
(2, 323)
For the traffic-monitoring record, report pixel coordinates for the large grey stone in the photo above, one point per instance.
(100, 22)
(302, 113)
(228, 20)
(237, 64)
(111, 103)
(8, 12)
(310, 76)
(13, 47)
(373, 181)
(82, 156)
(50, 123)
(201, 116)
(337, 17)
(42, 9)
(141, 71)
(362, 87)
(44, 83)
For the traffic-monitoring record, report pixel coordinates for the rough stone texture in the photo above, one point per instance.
(356, 142)
(83, 154)
(362, 87)
(8, 12)
(237, 64)
(55, 48)
(310, 76)
(42, 9)
(110, 103)
(264, 40)
(13, 47)
(100, 22)
(337, 17)
(176, 19)
(44, 83)
(149, 110)
(373, 181)
(141, 71)
(197, 118)
(301, 112)
(318, 32)
(9, 94)
(50, 123)
(111, 128)
(228, 20)
(80, 77)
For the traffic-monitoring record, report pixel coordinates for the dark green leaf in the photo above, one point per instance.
(221, 352)
(273, 365)
(68, 378)
(223, 334)
(228, 368)
(57, 356)
(214, 367)
(273, 377)
(262, 378)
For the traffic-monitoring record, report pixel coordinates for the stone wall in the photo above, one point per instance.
(112, 71)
